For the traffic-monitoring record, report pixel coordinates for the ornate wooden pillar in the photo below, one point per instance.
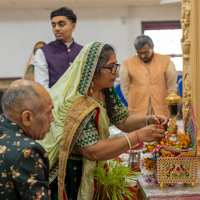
(190, 22)
(186, 44)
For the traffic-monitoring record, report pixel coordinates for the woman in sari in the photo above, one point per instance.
(29, 69)
(85, 104)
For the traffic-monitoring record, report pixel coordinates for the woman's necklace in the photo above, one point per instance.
(99, 99)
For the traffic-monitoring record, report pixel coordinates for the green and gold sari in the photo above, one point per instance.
(80, 121)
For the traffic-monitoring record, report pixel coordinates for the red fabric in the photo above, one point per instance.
(64, 196)
(96, 117)
(141, 144)
(95, 188)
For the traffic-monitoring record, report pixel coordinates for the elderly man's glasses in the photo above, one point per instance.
(113, 69)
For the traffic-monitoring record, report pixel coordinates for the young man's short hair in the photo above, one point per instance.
(64, 11)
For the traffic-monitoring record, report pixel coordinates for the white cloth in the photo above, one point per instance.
(41, 69)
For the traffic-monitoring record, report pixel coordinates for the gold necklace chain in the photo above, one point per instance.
(97, 99)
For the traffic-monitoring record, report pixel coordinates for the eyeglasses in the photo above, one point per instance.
(113, 69)
(143, 53)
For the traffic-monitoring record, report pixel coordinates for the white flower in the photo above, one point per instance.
(146, 155)
(147, 172)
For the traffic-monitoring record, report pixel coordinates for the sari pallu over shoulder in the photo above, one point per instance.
(77, 117)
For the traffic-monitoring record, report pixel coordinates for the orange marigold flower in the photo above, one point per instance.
(150, 148)
(149, 164)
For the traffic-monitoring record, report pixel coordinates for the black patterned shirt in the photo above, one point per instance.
(24, 165)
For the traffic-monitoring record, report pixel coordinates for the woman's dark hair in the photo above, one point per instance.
(64, 11)
(104, 57)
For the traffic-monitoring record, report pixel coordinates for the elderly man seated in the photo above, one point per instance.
(24, 165)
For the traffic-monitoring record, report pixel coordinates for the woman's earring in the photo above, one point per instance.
(92, 84)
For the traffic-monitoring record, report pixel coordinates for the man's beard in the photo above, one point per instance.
(150, 59)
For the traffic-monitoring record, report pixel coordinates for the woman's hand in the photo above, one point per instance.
(158, 119)
(151, 133)
(116, 146)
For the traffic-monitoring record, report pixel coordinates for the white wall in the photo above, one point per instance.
(21, 29)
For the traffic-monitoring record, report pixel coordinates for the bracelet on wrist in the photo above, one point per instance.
(137, 136)
(147, 120)
(129, 143)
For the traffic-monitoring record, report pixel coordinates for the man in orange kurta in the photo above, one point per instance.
(147, 79)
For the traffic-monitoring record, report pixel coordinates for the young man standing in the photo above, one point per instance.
(52, 60)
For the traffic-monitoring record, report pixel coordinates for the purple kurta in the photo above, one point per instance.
(59, 58)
